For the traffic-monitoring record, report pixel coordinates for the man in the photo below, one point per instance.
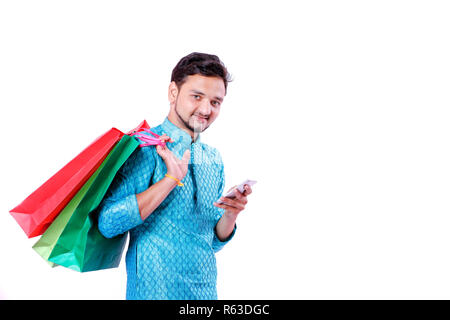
(165, 196)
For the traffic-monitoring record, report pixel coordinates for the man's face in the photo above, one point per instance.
(197, 103)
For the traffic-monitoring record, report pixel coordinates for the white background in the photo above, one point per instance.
(340, 110)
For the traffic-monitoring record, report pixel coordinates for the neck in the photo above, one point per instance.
(180, 124)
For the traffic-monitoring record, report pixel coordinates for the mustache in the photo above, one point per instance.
(201, 116)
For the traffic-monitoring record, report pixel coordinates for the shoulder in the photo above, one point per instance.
(144, 154)
(140, 160)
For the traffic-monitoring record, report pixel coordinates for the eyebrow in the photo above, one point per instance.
(201, 93)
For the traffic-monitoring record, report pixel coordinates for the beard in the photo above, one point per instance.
(191, 123)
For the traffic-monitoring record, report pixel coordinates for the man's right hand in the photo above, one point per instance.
(151, 198)
(177, 168)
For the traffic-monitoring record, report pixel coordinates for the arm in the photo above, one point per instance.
(126, 205)
(151, 198)
(225, 226)
(227, 223)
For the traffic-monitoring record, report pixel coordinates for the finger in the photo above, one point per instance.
(161, 153)
(237, 193)
(160, 150)
(233, 203)
(240, 196)
(227, 208)
(186, 156)
(232, 188)
(247, 190)
(164, 153)
(164, 138)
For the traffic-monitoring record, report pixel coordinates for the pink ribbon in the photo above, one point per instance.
(148, 141)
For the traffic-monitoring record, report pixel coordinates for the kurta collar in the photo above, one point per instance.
(178, 135)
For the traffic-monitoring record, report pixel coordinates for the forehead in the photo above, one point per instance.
(212, 86)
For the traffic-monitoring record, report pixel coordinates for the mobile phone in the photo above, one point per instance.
(240, 188)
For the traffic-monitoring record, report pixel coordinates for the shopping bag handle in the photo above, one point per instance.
(148, 141)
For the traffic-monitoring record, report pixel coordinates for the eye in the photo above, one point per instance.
(216, 103)
(196, 96)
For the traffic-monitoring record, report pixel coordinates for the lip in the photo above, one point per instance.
(201, 119)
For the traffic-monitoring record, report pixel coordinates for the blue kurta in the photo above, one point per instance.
(170, 254)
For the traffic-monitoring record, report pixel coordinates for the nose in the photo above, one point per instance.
(205, 108)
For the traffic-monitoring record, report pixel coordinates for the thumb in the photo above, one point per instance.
(186, 156)
(160, 151)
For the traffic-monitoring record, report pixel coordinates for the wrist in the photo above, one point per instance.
(175, 175)
(175, 181)
(230, 215)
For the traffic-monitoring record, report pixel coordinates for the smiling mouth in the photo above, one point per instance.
(201, 118)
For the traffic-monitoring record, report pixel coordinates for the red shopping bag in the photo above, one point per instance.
(41, 207)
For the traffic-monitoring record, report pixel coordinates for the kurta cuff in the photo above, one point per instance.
(119, 216)
(217, 244)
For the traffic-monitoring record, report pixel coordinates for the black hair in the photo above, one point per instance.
(200, 63)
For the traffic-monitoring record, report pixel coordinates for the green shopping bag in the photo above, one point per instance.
(81, 246)
(47, 242)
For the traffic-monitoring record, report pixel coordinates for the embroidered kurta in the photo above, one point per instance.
(171, 254)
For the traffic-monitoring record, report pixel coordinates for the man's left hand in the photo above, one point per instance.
(236, 205)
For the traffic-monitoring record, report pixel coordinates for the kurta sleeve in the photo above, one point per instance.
(216, 243)
(119, 211)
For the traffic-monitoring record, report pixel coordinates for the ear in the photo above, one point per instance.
(173, 92)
